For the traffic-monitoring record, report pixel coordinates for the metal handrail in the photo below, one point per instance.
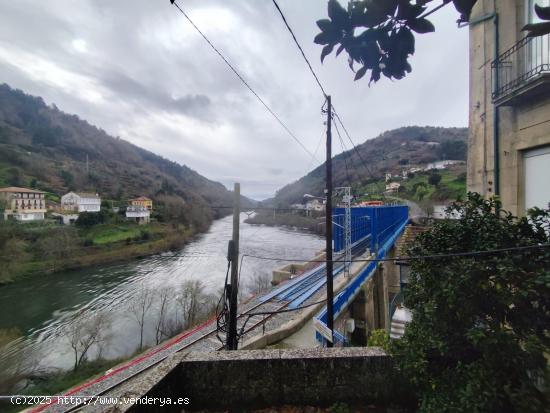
(517, 66)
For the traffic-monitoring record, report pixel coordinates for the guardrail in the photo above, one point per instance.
(387, 224)
(524, 61)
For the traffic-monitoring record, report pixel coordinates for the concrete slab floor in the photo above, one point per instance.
(303, 338)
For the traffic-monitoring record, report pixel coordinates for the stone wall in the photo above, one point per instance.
(270, 378)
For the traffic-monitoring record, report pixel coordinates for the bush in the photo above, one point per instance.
(480, 329)
(379, 338)
(434, 179)
(89, 219)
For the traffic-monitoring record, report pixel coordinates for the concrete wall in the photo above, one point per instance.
(270, 378)
(523, 124)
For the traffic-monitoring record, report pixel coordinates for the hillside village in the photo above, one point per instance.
(24, 204)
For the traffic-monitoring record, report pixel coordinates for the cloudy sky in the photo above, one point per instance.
(137, 69)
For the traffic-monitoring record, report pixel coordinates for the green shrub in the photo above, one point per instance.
(479, 336)
(379, 338)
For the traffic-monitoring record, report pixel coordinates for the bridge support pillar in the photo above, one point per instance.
(381, 298)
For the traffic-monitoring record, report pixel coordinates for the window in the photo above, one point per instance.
(536, 169)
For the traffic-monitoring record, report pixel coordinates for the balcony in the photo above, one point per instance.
(522, 72)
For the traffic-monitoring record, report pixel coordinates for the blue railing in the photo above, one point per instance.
(387, 224)
(360, 226)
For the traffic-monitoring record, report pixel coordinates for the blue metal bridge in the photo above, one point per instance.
(382, 226)
(374, 228)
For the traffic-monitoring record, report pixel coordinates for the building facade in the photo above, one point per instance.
(139, 214)
(509, 141)
(81, 202)
(142, 201)
(23, 204)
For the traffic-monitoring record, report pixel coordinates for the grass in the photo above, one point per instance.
(108, 246)
(451, 186)
(112, 233)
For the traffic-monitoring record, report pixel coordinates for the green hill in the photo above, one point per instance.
(391, 152)
(45, 148)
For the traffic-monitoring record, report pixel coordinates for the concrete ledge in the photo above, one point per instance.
(260, 341)
(268, 378)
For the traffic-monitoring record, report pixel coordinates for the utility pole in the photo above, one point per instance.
(232, 342)
(328, 193)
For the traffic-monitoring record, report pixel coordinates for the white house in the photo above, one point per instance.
(139, 214)
(393, 187)
(81, 202)
(315, 205)
(23, 204)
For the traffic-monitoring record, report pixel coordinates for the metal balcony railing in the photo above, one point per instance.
(523, 63)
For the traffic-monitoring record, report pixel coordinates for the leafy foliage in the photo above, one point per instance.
(542, 28)
(89, 219)
(41, 142)
(378, 34)
(382, 154)
(434, 179)
(479, 334)
(379, 338)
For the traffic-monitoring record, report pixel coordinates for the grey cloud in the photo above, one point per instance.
(152, 65)
(153, 96)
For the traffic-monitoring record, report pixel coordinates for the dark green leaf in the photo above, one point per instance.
(537, 29)
(325, 25)
(326, 38)
(360, 73)
(464, 7)
(421, 25)
(338, 14)
(542, 12)
(326, 51)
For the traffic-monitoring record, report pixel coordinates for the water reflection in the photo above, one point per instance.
(44, 308)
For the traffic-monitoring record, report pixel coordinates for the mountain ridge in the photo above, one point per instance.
(390, 152)
(44, 147)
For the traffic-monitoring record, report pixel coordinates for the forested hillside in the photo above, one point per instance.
(45, 148)
(391, 152)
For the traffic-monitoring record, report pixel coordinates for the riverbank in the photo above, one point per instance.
(47, 248)
(294, 220)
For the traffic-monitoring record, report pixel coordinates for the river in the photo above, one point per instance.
(45, 308)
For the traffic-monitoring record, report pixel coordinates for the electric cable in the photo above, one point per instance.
(343, 154)
(300, 48)
(416, 258)
(241, 78)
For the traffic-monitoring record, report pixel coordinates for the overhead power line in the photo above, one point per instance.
(300, 48)
(343, 154)
(321, 87)
(244, 82)
(417, 257)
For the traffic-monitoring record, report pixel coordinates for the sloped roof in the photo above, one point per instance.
(140, 198)
(403, 244)
(17, 189)
(83, 194)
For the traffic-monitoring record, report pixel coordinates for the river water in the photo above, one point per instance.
(45, 308)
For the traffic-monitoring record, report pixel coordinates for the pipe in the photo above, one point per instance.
(496, 81)
(496, 114)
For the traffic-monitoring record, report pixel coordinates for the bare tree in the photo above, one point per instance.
(190, 299)
(16, 362)
(85, 332)
(261, 281)
(139, 307)
(165, 297)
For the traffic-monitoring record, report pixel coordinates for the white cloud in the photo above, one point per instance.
(138, 69)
